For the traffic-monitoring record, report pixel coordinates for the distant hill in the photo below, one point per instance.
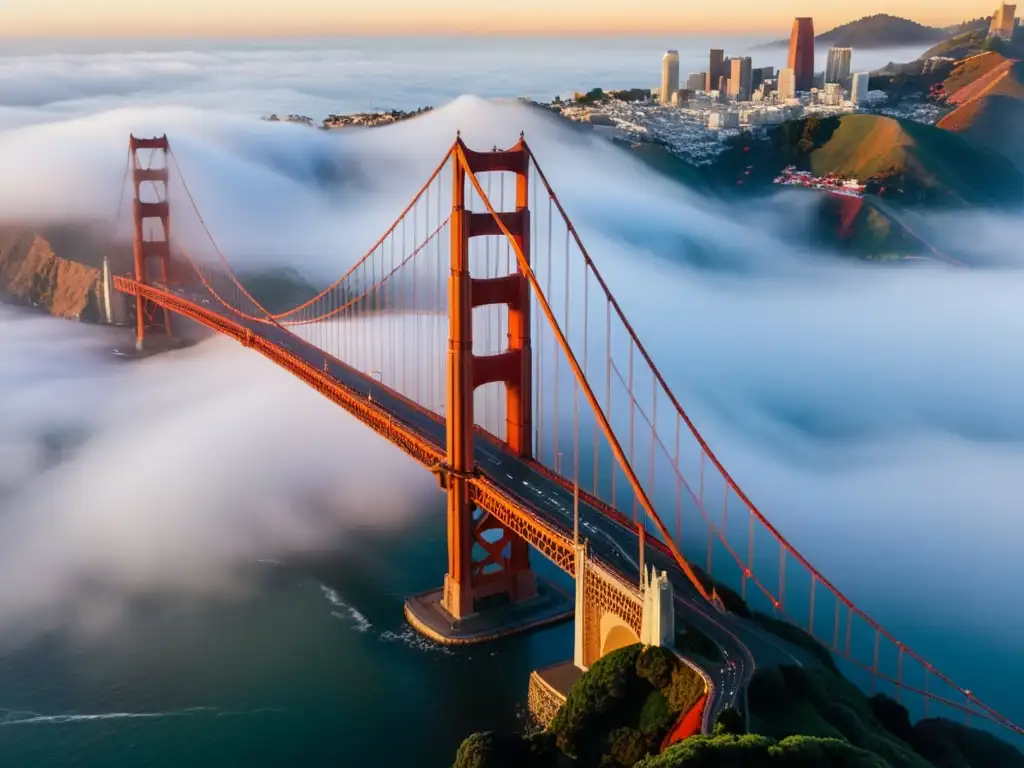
(979, 24)
(958, 46)
(988, 93)
(878, 31)
(971, 38)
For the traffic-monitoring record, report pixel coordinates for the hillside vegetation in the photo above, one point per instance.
(915, 162)
(970, 39)
(801, 717)
(617, 713)
(881, 31)
(979, 24)
(973, 77)
(901, 159)
(988, 92)
(789, 701)
(958, 46)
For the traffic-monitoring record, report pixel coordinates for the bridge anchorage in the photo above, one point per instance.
(487, 383)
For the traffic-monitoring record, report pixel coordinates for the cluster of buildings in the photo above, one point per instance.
(691, 117)
(791, 177)
(360, 119)
(371, 119)
(735, 81)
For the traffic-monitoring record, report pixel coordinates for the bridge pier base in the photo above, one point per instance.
(427, 614)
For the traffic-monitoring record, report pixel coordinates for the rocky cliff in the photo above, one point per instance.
(33, 274)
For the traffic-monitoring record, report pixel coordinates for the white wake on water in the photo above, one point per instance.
(406, 636)
(20, 717)
(362, 624)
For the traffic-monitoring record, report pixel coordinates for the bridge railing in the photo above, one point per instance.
(699, 509)
(604, 415)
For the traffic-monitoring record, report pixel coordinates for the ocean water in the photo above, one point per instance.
(848, 406)
(293, 674)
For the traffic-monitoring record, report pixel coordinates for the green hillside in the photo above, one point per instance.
(800, 717)
(912, 162)
(989, 92)
(919, 163)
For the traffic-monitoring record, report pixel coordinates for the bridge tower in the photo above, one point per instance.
(151, 239)
(504, 568)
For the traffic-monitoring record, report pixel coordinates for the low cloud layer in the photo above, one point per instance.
(873, 413)
(169, 474)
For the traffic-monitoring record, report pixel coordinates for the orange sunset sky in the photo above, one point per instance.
(267, 17)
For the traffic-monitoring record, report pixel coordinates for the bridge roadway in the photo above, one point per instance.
(742, 643)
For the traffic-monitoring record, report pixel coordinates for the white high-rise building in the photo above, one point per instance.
(832, 95)
(859, 91)
(669, 76)
(1003, 22)
(837, 68)
(787, 83)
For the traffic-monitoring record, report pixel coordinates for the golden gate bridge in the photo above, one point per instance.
(478, 335)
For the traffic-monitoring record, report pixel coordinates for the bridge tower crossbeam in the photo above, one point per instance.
(151, 236)
(505, 565)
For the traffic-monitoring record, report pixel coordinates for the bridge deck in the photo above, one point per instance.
(523, 495)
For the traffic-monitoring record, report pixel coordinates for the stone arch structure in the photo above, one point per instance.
(615, 634)
(611, 615)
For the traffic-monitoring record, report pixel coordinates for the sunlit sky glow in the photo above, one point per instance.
(268, 18)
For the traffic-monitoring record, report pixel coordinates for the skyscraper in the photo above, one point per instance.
(739, 78)
(837, 69)
(859, 91)
(756, 78)
(669, 76)
(787, 83)
(716, 68)
(801, 53)
(696, 81)
(1002, 22)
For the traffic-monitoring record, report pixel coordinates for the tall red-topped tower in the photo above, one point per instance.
(801, 53)
(505, 565)
(150, 241)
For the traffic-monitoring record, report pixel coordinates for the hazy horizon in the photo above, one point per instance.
(42, 81)
(256, 18)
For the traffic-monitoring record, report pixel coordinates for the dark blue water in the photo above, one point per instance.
(314, 667)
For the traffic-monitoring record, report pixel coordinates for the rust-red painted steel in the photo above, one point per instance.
(734, 486)
(281, 318)
(467, 579)
(620, 455)
(512, 512)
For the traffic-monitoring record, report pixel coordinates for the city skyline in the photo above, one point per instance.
(262, 18)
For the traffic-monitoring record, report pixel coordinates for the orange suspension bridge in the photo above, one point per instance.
(478, 335)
